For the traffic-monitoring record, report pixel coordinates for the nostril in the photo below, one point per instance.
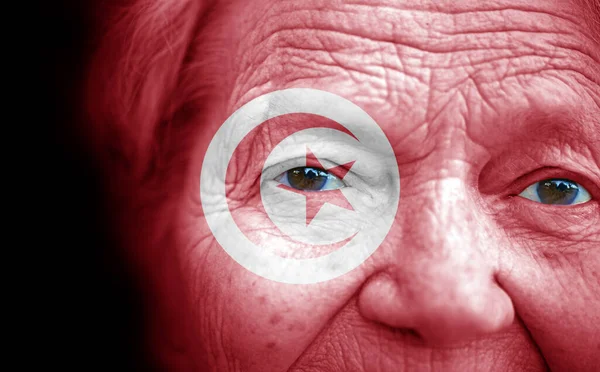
(409, 334)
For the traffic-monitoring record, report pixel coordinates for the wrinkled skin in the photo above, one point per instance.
(471, 276)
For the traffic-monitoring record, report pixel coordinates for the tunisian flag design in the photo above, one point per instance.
(282, 233)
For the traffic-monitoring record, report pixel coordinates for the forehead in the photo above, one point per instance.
(420, 64)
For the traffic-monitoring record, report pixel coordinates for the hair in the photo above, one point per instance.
(132, 77)
(134, 72)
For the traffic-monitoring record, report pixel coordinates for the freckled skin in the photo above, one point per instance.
(471, 97)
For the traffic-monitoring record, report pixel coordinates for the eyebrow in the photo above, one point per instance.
(565, 123)
(536, 135)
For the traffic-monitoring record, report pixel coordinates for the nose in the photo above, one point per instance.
(439, 278)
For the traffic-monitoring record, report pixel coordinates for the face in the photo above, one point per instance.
(492, 260)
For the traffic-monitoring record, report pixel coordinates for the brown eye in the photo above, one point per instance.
(306, 178)
(556, 191)
(310, 179)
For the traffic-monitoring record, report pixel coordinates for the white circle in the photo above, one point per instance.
(257, 259)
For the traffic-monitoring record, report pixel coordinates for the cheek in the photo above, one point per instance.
(240, 315)
(552, 279)
(237, 315)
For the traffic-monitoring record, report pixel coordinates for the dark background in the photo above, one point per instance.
(86, 306)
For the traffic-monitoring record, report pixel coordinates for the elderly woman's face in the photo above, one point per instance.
(492, 260)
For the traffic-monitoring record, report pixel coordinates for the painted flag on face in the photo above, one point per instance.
(285, 186)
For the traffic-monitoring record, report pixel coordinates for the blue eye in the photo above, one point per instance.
(556, 192)
(310, 179)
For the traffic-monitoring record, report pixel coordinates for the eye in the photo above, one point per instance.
(556, 191)
(310, 179)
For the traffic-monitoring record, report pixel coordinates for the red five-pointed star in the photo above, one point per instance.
(316, 199)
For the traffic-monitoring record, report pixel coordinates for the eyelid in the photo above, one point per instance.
(270, 173)
(519, 164)
(284, 179)
(552, 172)
(532, 194)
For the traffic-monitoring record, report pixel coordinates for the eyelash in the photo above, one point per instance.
(330, 184)
(545, 173)
(276, 170)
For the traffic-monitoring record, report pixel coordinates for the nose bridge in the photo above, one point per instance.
(443, 242)
(442, 218)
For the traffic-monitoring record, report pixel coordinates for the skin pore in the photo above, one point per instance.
(479, 100)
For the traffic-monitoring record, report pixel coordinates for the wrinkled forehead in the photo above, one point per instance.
(413, 58)
(382, 47)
